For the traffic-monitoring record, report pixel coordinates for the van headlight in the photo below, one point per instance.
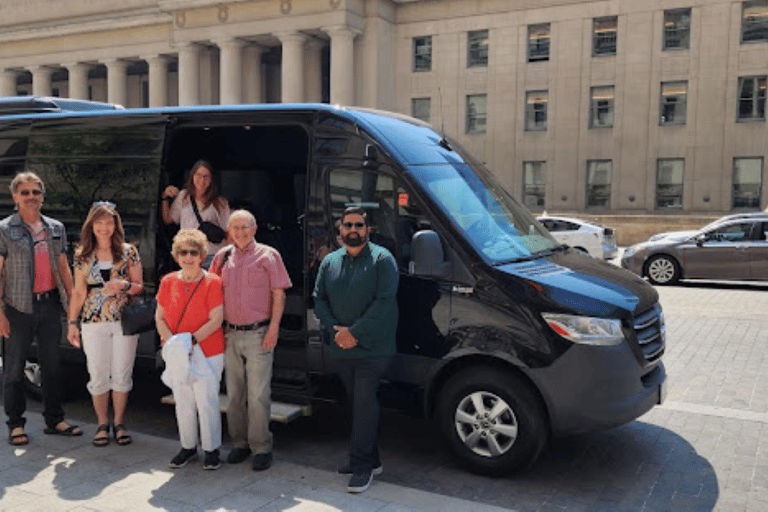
(586, 330)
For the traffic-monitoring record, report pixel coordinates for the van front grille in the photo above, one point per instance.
(651, 333)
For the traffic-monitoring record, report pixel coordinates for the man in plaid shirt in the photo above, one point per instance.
(36, 284)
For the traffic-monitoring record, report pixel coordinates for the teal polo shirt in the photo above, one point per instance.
(359, 293)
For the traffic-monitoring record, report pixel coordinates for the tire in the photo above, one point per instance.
(510, 441)
(33, 380)
(662, 270)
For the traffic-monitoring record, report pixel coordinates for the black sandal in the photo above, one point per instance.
(99, 440)
(122, 439)
(18, 439)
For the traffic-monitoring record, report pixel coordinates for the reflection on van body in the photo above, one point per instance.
(504, 337)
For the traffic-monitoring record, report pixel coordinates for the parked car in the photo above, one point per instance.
(594, 239)
(732, 248)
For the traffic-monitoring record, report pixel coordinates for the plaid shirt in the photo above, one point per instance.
(18, 250)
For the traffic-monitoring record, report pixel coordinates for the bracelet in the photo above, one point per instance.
(194, 340)
(73, 322)
(167, 198)
(127, 286)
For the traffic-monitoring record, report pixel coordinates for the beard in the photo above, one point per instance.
(354, 240)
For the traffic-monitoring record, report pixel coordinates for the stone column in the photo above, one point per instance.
(8, 83)
(78, 80)
(292, 66)
(230, 71)
(41, 81)
(313, 71)
(158, 80)
(117, 90)
(189, 74)
(253, 75)
(342, 65)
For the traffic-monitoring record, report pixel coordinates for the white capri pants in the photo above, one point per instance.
(110, 356)
(200, 399)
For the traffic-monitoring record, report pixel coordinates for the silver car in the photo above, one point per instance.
(731, 248)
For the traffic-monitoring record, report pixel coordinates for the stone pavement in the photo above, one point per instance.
(56, 473)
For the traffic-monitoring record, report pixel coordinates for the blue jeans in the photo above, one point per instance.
(361, 378)
(44, 324)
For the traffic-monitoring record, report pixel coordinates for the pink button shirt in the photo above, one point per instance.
(249, 276)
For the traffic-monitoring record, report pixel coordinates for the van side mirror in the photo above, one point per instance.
(427, 256)
(371, 157)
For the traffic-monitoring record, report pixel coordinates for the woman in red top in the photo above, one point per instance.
(191, 301)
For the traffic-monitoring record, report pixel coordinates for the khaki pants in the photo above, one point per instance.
(249, 374)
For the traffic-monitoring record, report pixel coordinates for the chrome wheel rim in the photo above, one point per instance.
(32, 374)
(661, 270)
(486, 424)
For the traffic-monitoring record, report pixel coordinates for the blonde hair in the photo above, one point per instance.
(26, 177)
(192, 238)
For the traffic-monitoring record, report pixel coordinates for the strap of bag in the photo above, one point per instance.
(176, 331)
(224, 260)
(194, 209)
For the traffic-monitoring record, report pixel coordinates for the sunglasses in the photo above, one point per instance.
(108, 204)
(350, 225)
(34, 192)
(190, 252)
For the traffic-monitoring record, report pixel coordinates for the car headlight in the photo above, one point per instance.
(631, 251)
(586, 330)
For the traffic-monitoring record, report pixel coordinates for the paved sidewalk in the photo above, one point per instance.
(58, 473)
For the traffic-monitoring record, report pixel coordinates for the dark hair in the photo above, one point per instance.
(355, 210)
(88, 239)
(211, 195)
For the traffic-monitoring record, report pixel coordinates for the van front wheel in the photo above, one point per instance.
(492, 420)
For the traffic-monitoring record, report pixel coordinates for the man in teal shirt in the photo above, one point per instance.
(356, 302)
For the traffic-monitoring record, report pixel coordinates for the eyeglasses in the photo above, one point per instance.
(350, 225)
(34, 192)
(108, 204)
(190, 252)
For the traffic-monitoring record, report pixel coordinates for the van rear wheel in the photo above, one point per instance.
(491, 420)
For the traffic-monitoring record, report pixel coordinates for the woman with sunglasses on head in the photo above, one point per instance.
(198, 203)
(192, 301)
(107, 273)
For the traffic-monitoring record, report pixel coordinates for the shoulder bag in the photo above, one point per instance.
(212, 231)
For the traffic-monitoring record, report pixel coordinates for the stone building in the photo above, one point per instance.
(601, 108)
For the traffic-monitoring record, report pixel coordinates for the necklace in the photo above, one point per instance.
(188, 283)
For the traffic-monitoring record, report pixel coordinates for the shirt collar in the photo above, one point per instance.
(365, 252)
(248, 248)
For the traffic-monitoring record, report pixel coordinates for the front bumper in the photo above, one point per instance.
(594, 388)
(633, 263)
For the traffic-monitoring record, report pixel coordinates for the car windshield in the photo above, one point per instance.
(497, 226)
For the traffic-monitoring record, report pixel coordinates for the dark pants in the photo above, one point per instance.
(45, 324)
(361, 378)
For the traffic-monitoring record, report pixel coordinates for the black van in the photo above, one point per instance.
(505, 337)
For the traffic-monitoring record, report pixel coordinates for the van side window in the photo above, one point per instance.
(411, 219)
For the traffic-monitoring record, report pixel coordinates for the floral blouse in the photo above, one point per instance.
(98, 306)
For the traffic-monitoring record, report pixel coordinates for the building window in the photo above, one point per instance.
(599, 183)
(604, 35)
(55, 92)
(422, 53)
(538, 42)
(145, 93)
(754, 21)
(536, 110)
(669, 183)
(677, 29)
(477, 48)
(674, 101)
(747, 182)
(421, 108)
(476, 108)
(751, 98)
(601, 107)
(534, 180)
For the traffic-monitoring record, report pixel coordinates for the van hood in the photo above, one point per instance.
(580, 284)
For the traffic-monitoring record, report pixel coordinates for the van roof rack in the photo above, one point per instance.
(18, 105)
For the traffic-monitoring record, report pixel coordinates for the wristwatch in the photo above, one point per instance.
(73, 322)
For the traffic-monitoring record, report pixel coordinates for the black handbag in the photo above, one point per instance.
(138, 316)
(212, 231)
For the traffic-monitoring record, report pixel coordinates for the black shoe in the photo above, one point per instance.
(238, 455)
(184, 456)
(346, 469)
(212, 460)
(262, 461)
(359, 482)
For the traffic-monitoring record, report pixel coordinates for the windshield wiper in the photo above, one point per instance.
(533, 256)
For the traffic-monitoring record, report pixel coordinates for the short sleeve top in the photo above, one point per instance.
(99, 306)
(182, 213)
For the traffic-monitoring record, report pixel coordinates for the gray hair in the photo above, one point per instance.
(243, 214)
(26, 177)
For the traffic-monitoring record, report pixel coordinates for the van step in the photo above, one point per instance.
(280, 412)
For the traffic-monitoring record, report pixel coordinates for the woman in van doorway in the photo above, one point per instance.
(199, 206)
(107, 273)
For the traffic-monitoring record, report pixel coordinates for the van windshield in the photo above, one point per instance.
(497, 226)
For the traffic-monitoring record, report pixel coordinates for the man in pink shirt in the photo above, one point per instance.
(255, 281)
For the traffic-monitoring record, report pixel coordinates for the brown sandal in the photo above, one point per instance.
(101, 441)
